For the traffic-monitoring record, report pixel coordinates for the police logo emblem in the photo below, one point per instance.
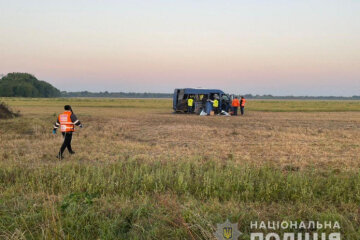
(227, 234)
(227, 231)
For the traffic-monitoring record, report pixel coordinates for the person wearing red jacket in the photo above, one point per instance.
(67, 122)
(235, 104)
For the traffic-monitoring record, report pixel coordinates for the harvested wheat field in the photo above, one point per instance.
(141, 172)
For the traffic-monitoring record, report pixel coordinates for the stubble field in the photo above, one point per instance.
(141, 172)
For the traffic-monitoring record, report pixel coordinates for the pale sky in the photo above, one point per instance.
(255, 46)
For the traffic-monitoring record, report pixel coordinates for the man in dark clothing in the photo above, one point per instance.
(242, 105)
(203, 103)
(66, 121)
(225, 103)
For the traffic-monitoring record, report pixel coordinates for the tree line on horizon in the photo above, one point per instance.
(107, 94)
(27, 85)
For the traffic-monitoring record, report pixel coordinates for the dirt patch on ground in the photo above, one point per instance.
(6, 112)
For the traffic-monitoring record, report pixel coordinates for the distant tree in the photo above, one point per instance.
(26, 85)
(115, 94)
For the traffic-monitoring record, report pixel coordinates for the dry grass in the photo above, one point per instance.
(146, 133)
(303, 140)
(6, 112)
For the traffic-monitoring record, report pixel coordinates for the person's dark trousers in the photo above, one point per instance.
(67, 143)
(216, 110)
(242, 109)
(189, 109)
(235, 110)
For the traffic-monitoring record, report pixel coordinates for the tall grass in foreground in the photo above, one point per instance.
(141, 172)
(205, 181)
(137, 199)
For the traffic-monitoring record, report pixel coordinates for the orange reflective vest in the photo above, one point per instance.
(66, 125)
(243, 101)
(235, 102)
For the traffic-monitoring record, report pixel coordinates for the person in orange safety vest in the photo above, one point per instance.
(66, 121)
(242, 105)
(235, 104)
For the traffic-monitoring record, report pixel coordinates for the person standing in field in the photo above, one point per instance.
(67, 122)
(216, 105)
(225, 103)
(235, 104)
(190, 104)
(242, 105)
